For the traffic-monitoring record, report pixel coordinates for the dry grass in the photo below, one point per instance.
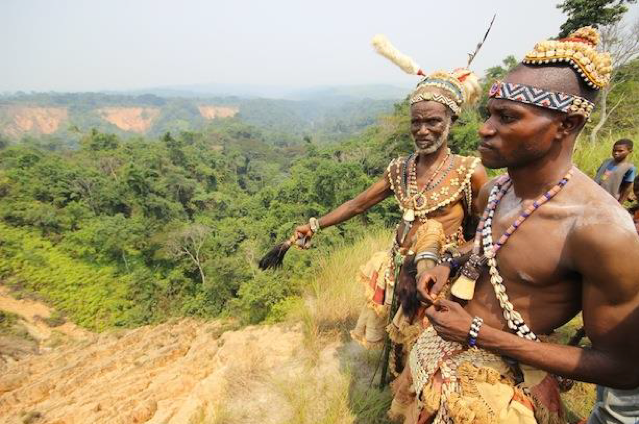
(245, 372)
(216, 412)
(336, 298)
(315, 398)
(579, 401)
(332, 305)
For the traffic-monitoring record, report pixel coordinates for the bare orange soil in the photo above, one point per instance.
(135, 119)
(212, 112)
(184, 372)
(32, 119)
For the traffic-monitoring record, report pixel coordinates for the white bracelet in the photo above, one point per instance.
(314, 223)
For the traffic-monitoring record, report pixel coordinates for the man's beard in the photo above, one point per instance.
(438, 143)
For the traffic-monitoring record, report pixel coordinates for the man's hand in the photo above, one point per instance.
(430, 283)
(303, 232)
(450, 320)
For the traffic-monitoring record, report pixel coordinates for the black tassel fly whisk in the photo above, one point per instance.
(274, 258)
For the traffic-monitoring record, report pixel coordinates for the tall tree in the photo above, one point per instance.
(591, 12)
(189, 242)
(622, 41)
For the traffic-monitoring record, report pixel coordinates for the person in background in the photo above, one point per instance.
(616, 174)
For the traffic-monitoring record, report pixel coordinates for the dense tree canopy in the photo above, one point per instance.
(175, 225)
(591, 12)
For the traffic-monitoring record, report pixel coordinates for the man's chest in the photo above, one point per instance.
(536, 253)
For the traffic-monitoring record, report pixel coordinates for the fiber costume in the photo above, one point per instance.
(451, 192)
(447, 382)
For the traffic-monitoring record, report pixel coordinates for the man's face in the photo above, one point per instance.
(515, 134)
(429, 125)
(620, 152)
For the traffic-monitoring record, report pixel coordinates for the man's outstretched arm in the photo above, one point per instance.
(607, 257)
(377, 192)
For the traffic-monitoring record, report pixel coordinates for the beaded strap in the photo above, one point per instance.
(431, 183)
(484, 239)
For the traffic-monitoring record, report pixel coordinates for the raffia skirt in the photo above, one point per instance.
(446, 382)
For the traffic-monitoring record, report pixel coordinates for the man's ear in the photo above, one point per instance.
(571, 123)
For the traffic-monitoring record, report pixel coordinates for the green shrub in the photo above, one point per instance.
(94, 297)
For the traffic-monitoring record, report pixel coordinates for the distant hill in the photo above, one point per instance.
(324, 114)
(351, 92)
(248, 91)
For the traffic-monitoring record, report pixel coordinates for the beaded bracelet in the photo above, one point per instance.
(474, 331)
(450, 261)
(446, 258)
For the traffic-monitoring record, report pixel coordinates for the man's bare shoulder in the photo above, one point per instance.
(602, 243)
(594, 207)
(599, 227)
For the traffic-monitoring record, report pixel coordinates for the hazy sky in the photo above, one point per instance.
(79, 45)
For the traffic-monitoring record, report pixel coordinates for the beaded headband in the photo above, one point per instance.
(440, 81)
(579, 51)
(554, 100)
(460, 87)
(428, 96)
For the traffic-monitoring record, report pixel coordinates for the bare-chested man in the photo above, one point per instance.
(430, 185)
(566, 247)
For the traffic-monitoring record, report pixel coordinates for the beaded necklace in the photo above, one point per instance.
(408, 202)
(413, 198)
(417, 201)
(412, 177)
(484, 239)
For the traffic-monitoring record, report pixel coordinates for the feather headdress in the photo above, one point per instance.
(384, 47)
(452, 89)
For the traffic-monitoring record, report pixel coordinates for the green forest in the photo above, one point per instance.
(121, 231)
(125, 232)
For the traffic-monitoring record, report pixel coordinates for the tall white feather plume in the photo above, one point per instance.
(386, 49)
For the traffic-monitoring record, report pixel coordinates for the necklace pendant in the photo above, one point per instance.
(409, 215)
(420, 201)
